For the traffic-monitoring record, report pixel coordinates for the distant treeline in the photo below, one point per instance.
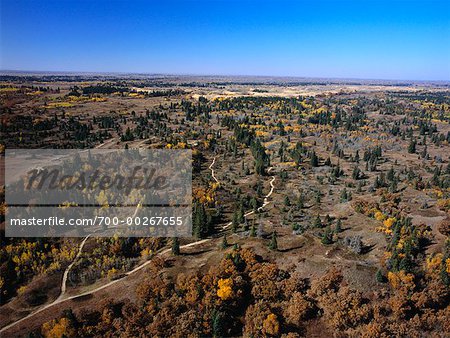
(109, 89)
(437, 97)
(170, 92)
(104, 89)
(149, 80)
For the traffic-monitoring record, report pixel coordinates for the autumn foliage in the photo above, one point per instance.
(244, 295)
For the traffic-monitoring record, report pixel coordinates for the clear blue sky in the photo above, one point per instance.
(347, 39)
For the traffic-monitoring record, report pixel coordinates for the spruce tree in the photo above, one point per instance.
(175, 246)
(217, 324)
(301, 201)
(224, 242)
(273, 245)
(287, 201)
(380, 277)
(318, 222)
(412, 146)
(253, 230)
(235, 222)
(327, 236)
(338, 227)
(314, 159)
(344, 195)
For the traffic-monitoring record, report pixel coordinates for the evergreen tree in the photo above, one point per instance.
(245, 225)
(327, 237)
(241, 217)
(175, 246)
(318, 222)
(344, 195)
(218, 328)
(314, 160)
(391, 174)
(273, 245)
(338, 227)
(200, 221)
(301, 201)
(356, 173)
(253, 230)
(254, 204)
(224, 242)
(412, 146)
(287, 201)
(318, 197)
(406, 264)
(380, 277)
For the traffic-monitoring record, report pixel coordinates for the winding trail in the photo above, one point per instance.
(265, 203)
(61, 300)
(66, 272)
(61, 297)
(106, 143)
(212, 170)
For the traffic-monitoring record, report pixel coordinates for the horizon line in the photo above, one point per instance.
(4, 72)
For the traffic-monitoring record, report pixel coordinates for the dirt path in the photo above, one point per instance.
(66, 272)
(265, 203)
(212, 170)
(106, 143)
(61, 298)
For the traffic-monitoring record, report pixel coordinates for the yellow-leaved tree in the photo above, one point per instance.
(271, 326)
(58, 329)
(225, 288)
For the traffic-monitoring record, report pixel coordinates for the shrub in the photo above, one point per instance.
(354, 243)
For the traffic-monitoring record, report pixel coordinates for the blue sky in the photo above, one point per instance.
(344, 39)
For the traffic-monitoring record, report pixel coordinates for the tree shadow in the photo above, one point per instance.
(196, 253)
(83, 297)
(290, 249)
(367, 248)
